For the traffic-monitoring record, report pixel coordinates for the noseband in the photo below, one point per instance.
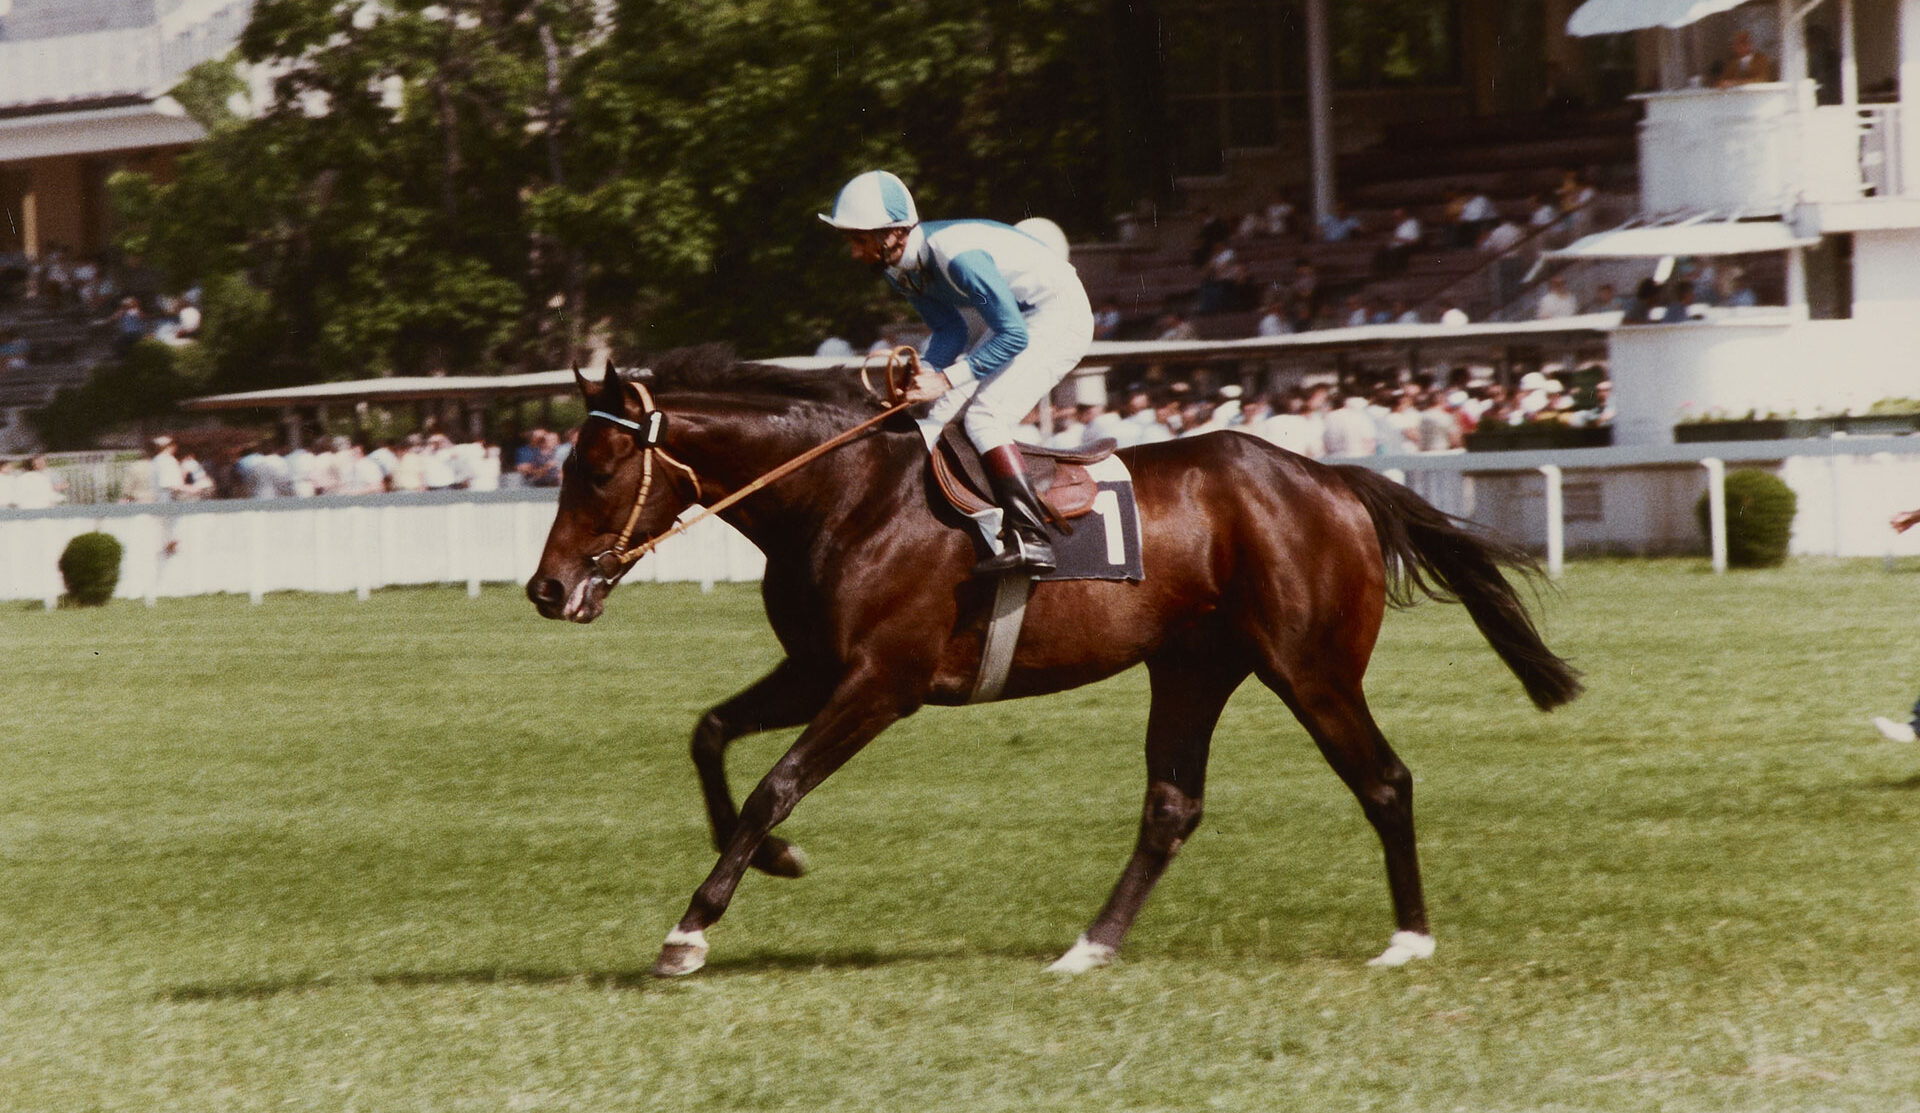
(610, 565)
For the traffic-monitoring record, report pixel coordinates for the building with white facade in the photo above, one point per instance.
(83, 88)
(1821, 166)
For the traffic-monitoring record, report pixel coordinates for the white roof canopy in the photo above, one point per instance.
(1612, 17)
(1706, 237)
(1492, 336)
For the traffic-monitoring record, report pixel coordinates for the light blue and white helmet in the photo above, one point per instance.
(872, 201)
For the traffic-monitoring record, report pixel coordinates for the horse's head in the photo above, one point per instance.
(617, 490)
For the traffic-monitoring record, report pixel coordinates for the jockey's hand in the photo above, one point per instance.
(926, 386)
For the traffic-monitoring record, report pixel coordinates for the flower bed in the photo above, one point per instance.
(1790, 428)
(1538, 435)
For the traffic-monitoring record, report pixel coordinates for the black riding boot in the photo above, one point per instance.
(1024, 534)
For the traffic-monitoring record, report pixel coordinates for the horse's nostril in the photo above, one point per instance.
(546, 591)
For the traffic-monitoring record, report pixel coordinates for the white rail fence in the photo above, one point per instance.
(352, 544)
(1603, 499)
(1641, 499)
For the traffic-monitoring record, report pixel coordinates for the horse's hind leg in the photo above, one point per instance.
(1334, 711)
(786, 697)
(1189, 691)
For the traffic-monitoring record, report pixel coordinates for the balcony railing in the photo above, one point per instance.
(1755, 150)
(99, 64)
(1882, 155)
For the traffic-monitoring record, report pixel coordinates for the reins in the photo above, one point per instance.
(613, 563)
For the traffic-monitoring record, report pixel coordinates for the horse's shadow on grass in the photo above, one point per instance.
(638, 980)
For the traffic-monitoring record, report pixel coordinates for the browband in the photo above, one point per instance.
(649, 432)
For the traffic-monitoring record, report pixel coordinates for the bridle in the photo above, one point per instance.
(650, 431)
(610, 564)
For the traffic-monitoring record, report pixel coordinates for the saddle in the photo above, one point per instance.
(1059, 476)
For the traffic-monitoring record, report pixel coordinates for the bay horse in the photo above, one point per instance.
(1259, 562)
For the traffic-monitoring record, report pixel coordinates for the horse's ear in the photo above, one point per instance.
(580, 380)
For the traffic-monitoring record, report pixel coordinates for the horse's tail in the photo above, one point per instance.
(1432, 553)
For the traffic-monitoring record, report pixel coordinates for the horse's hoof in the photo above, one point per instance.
(1404, 947)
(780, 858)
(1084, 956)
(684, 952)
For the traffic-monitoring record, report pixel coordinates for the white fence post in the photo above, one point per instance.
(452, 533)
(50, 562)
(1556, 521)
(362, 558)
(256, 559)
(1717, 510)
(387, 524)
(470, 546)
(150, 528)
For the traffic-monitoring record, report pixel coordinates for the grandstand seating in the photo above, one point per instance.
(1412, 166)
(63, 351)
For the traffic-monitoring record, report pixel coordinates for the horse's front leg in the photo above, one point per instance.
(786, 697)
(860, 708)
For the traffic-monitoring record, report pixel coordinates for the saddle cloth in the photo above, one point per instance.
(1087, 487)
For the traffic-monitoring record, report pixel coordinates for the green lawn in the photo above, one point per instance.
(418, 854)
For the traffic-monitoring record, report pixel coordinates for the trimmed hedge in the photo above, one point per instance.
(90, 566)
(1760, 510)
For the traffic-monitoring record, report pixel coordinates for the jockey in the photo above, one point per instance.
(1039, 324)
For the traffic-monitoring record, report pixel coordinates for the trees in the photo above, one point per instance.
(481, 184)
(374, 198)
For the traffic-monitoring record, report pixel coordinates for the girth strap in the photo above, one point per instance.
(1010, 595)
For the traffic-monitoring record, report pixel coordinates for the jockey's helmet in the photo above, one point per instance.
(871, 202)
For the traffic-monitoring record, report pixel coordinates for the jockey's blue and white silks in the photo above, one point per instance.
(1036, 311)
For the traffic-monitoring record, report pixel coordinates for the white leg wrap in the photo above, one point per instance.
(1404, 947)
(1084, 956)
(695, 939)
(685, 952)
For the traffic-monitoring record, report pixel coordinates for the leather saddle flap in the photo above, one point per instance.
(1059, 476)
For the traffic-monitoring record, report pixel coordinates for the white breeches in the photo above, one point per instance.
(1057, 337)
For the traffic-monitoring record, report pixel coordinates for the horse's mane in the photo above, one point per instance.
(715, 369)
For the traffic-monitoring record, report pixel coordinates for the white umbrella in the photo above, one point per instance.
(1611, 17)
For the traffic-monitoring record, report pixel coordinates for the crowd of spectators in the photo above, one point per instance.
(34, 486)
(15, 352)
(1423, 414)
(1420, 414)
(119, 297)
(338, 465)
(1467, 220)
(1687, 294)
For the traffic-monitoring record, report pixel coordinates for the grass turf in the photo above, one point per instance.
(418, 853)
